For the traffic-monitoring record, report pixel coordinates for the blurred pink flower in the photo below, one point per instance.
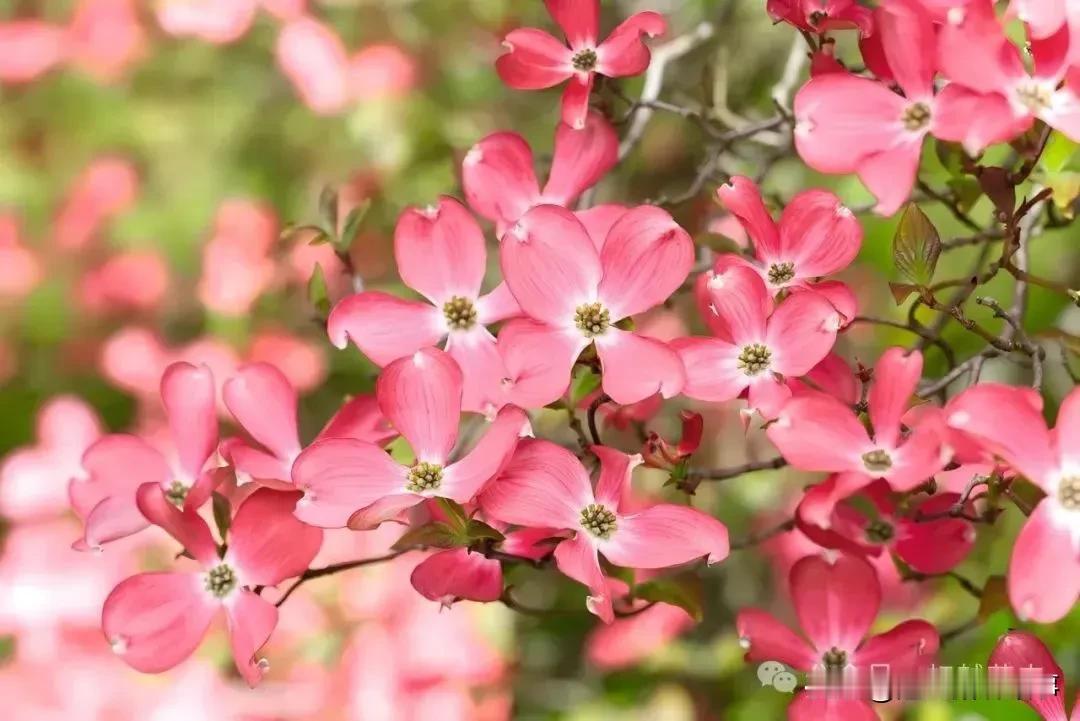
(313, 58)
(284, 9)
(105, 37)
(628, 641)
(129, 281)
(34, 479)
(303, 257)
(237, 268)
(216, 21)
(29, 49)
(20, 270)
(104, 189)
(301, 360)
(381, 71)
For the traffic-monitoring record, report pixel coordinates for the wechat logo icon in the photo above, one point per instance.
(777, 675)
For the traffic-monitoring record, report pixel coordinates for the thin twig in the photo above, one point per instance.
(313, 573)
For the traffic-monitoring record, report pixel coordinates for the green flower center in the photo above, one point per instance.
(424, 476)
(754, 359)
(584, 60)
(1069, 493)
(916, 116)
(879, 531)
(834, 659)
(592, 319)
(598, 520)
(460, 313)
(781, 272)
(221, 580)
(877, 461)
(176, 494)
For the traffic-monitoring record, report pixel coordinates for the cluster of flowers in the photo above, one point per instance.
(943, 68)
(104, 38)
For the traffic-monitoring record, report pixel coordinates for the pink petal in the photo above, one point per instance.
(251, 621)
(440, 251)
(645, 259)
(340, 475)
(1068, 427)
(910, 45)
(833, 376)
(579, 20)
(575, 100)
(896, 376)
(712, 371)
(190, 399)
(665, 535)
(31, 48)
(599, 219)
(476, 353)
(1044, 571)
(906, 646)
(259, 465)
(800, 333)
(974, 119)
(629, 641)
(975, 53)
(816, 432)
(919, 457)
(771, 640)
(616, 469)
(577, 559)
(383, 326)
(1024, 441)
(267, 543)
(359, 418)
(263, 401)
(840, 295)
(543, 485)
(154, 621)
(767, 394)
(388, 508)
(938, 545)
(624, 52)
(534, 60)
(421, 397)
(636, 367)
(313, 58)
(550, 264)
(450, 576)
(1022, 649)
(115, 466)
(111, 519)
(538, 359)
(498, 177)
(186, 526)
(463, 479)
(819, 234)
(742, 197)
(818, 706)
(499, 304)
(890, 175)
(836, 602)
(741, 302)
(582, 157)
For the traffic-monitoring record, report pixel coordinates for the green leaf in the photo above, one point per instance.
(317, 291)
(901, 291)
(995, 597)
(353, 221)
(916, 246)
(583, 384)
(222, 514)
(966, 190)
(683, 591)
(456, 517)
(478, 531)
(1058, 152)
(430, 535)
(328, 208)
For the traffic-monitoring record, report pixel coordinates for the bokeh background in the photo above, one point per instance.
(153, 159)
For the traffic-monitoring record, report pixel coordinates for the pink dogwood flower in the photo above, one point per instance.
(313, 58)
(153, 621)
(106, 188)
(836, 603)
(117, 464)
(215, 21)
(816, 236)
(29, 49)
(1044, 571)
(575, 297)
(536, 60)
(264, 403)
(500, 181)
(1017, 650)
(820, 16)
(440, 253)
(356, 483)
(546, 485)
(756, 348)
(819, 432)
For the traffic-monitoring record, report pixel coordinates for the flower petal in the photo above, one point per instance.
(574, 108)
(534, 60)
(579, 20)
(154, 621)
(440, 251)
(340, 475)
(742, 197)
(890, 175)
(267, 542)
(186, 526)
(1044, 571)
(1068, 427)
(896, 376)
(190, 399)
(599, 219)
(836, 602)
(543, 485)
(477, 354)
(819, 234)
(388, 508)
(712, 372)
(465, 478)
(115, 466)
(384, 327)
(800, 333)
(538, 359)
(741, 301)
(818, 706)
(636, 367)
(919, 457)
(938, 545)
(624, 52)
(263, 401)
(816, 432)
(111, 519)
(771, 640)
(616, 468)
(1022, 649)
(550, 264)
(645, 258)
(359, 418)
(449, 576)
(665, 535)
(421, 397)
(251, 621)
(906, 646)
(582, 157)
(629, 641)
(577, 558)
(498, 177)
(499, 304)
